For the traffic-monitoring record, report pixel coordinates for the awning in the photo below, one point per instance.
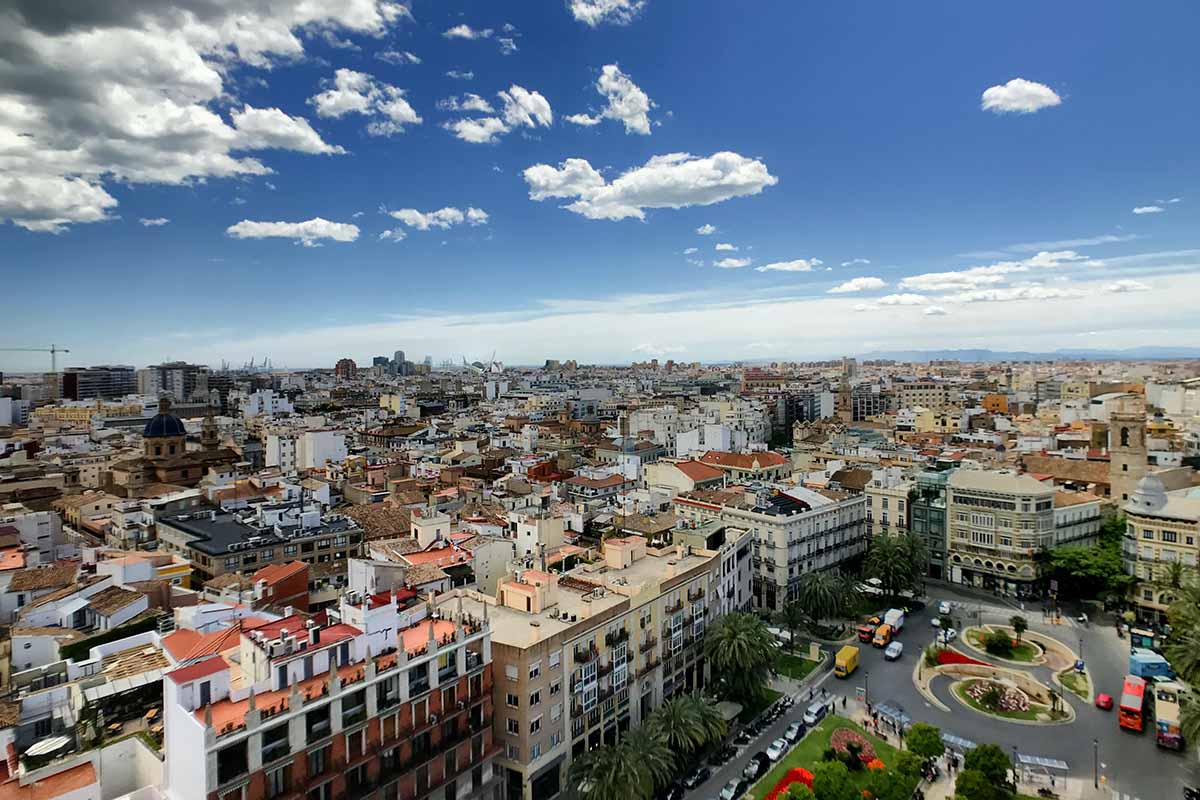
(729, 710)
(892, 713)
(1039, 761)
(957, 742)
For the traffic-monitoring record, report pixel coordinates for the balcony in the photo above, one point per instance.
(649, 667)
(585, 654)
(648, 645)
(604, 668)
(614, 638)
(674, 607)
(333, 767)
(695, 594)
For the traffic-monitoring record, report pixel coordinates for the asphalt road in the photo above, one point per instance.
(1131, 763)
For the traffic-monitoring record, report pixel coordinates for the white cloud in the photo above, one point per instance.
(988, 275)
(1010, 293)
(1148, 210)
(467, 32)
(508, 46)
(398, 57)
(724, 246)
(676, 180)
(688, 251)
(860, 307)
(134, 93)
(443, 218)
(1122, 286)
(461, 75)
(696, 262)
(358, 93)
(656, 350)
(732, 263)
(520, 107)
(595, 12)
(1059, 244)
(858, 285)
(468, 102)
(799, 265)
(1020, 96)
(706, 229)
(396, 234)
(903, 300)
(627, 103)
(1175, 200)
(308, 233)
(153, 222)
(855, 261)
(935, 311)
(268, 128)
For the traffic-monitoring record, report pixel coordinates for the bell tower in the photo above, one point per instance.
(1126, 448)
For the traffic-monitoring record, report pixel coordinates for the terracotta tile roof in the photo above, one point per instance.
(1067, 499)
(382, 520)
(52, 786)
(765, 460)
(273, 573)
(424, 573)
(37, 578)
(416, 637)
(1068, 469)
(598, 483)
(201, 669)
(698, 471)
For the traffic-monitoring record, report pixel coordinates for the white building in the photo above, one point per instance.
(266, 403)
(292, 451)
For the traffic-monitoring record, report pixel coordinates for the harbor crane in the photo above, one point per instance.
(53, 350)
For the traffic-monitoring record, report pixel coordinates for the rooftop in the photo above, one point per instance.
(215, 531)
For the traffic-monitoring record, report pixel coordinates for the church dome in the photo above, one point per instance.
(164, 424)
(1150, 494)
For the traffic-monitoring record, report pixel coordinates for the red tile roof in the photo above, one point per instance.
(52, 786)
(766, 460)
(699, 471)
(201, 669)
(273, 573)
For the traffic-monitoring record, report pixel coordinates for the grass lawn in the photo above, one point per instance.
(769, 696)
(795, 666)
(1023, 651)
(960, 690)
(807, 753)
(1074, 682)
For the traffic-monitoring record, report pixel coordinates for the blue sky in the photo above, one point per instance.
(856, 132)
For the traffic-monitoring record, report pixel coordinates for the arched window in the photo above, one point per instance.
(1124, 437)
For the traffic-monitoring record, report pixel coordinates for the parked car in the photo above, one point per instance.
(794, 732)
(948, 635)
(760, 762)
(1104, 701)
(815, 713)
(944, 607)
(893, 651)
(732, 791)
(672, 792)
(777, 749)
(699, 776)
(936, 622)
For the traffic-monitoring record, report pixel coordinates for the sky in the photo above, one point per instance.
(604, 180)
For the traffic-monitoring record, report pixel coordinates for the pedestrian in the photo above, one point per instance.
(843, 701)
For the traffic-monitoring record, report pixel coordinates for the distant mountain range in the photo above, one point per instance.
(1071, 354)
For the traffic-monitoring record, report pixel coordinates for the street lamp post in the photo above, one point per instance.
(867, 688)
(1015, 773)
(1095, 763)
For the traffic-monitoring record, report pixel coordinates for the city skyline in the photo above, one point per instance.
(603, 181)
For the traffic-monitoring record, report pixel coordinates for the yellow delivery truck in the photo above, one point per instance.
(846, 661)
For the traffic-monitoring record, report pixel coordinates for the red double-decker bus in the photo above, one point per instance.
(1133, 703)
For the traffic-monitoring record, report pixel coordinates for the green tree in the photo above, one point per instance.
(611, 772)
(974, 785)
(1019, 625)
(818, 596)
(992, 761)
(898, 562)
(711, 724)
(850, 596)
(798, 791)
(655, 760)
(792, 618)
(1183, 651)
(998, 643)
(741, 652)
(889, 784)
(1091, 572)
(925, 740)
(832, 781)
(677, 722)
(908, 764)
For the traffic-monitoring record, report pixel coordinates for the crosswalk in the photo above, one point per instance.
(1123, 795)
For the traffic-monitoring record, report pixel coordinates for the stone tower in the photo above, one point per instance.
(1127, 448)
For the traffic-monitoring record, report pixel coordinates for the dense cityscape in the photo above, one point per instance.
(599, 400)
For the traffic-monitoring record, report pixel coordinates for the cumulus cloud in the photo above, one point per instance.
(675, 180)
(508, 46)
(396, 234)
(308, 233)
(461, 75)
(724, 246)
(597, 12)
(935, 311)
(903, 300)
(1019, 96)
(358, 93)
(397, 57)
(1010, 293)
(1119, 287)
(520, 107)
(855, 261)
(799, 265)
(988, 275)
(468, 102)
(688, 251)
(657, 350)
(153, 222)
(443, 218)
(1148, 210)
(467, 32)
(706, 229)
(732, 263)
(627, 103)
(134, 93)
(858, 285)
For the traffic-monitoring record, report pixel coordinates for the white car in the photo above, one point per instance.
(777, 749)
(936, 622)
(948, 635)
(731, 790)
(944, 607)
(893, 651)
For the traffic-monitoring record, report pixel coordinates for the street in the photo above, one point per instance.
(1130, 763)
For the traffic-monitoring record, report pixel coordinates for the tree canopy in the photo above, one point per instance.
(742, 654)
(925, 740)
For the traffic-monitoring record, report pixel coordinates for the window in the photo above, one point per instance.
(1147, 534)
(535, 752)
(512, 700)
(514, 752)
(535, 698)
(555, 659)
(555, 687)
(268, 554)
(289, 550)
(231, 563)
(514, 727)
(556, 711)
(535, 724)
(275, 743)
(510, 671)
(535, 670)
(1170, 536)
(277, 782)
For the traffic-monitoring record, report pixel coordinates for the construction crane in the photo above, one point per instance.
(53, 350)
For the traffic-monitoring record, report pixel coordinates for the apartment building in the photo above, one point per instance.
(997, 522)
(928, 394)
(369, 706)
(1162, 529)
(86, 383)
(887, 502)
(294, 450)
(585, 654)
(796, 531)
(177, 379)
(927, 518)
(1077, 519)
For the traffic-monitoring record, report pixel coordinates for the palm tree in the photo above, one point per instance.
(652, 757)
(849, 596)
(791, 617)
(886, 561)
(742, 654)
(711, 724)
(818, 596)
(677, 723)
(610, 772)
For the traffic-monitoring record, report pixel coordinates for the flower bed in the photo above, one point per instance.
(1011, 700)
(843, 737)
(948, 656)
(794, 775)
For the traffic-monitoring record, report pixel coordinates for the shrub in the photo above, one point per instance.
(829, 755)
(844, 738)
(998, 643)
(853, 756)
